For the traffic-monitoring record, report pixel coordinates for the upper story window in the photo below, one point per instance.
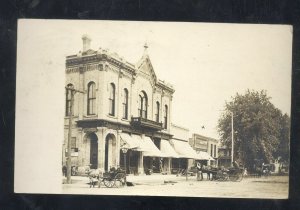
(91, 100)
(211, 150)
(112, 99)
(166, 117)
(157, 111)
(143, 105)
(68, 99)
(125, 104)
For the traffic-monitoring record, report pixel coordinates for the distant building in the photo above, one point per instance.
(205, 144)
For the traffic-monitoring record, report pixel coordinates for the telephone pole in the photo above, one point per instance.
(72, 91)
(232, 138)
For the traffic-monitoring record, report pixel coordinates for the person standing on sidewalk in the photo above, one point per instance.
(199, 172)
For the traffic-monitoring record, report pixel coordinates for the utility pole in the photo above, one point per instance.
(232, 140)
(72, 92)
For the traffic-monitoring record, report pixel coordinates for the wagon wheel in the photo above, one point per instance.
(109, 182)
(225, 176)
(240, 177)
(233, 177)
(120, 180)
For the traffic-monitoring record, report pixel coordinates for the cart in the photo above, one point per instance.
(236, 174)
(233, 174)
(114, 178)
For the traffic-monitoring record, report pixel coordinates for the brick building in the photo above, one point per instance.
(123, 105)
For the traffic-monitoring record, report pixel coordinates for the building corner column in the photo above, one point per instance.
(101, 146)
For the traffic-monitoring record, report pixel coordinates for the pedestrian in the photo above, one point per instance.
(245, 172)
(64, 169)
(199, 172)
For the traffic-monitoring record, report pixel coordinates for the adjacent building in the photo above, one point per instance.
(185, 152)
(205, 144)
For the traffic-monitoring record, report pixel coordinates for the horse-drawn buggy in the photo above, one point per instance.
(112, 178)
(234, 173)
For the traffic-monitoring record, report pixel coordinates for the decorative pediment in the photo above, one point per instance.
(145, 69)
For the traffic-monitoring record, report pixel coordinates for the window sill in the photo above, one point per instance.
(111, 116)
(67, 117)
(90, 116)
(126, 120)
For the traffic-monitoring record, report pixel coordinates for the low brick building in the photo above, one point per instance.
(205, 144)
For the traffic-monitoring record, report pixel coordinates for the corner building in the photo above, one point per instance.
(122, 105)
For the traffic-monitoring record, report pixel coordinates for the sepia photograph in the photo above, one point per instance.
(153, 108)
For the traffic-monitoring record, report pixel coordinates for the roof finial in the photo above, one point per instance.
(145, 47)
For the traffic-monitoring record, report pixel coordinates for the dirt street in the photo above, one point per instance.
(264, 187)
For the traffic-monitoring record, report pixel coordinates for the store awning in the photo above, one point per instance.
(128, 141)
(204, 156)
(167, 149)
(146, 146)
(152, 151)
(184, 149)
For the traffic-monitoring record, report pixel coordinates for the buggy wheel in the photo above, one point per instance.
(109, 182)
(225, 177)
(239, 177)
(120, 180)
(233, 177)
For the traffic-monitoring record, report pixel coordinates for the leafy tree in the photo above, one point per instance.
(260, 129)
(284, 143)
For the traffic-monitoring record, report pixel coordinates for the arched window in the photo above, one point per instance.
(112, 99)
(91, 100)
(143, 105)
(68, 99)
(166, 117)
(157, 111)
(125, 104)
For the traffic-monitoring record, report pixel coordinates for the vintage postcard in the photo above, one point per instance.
(153, 108)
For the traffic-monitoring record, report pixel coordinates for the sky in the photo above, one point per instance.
(206, 63)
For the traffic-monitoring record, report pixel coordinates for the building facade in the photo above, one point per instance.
(121, 105)
(205, 144)
(181, 146)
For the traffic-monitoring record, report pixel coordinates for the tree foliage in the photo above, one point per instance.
(261, 131)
